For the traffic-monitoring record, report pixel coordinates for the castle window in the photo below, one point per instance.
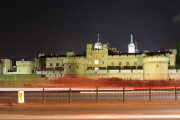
(120, 63)
(96, 68)
(50, 64)
(96, 62)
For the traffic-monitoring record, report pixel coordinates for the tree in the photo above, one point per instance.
(178, 55)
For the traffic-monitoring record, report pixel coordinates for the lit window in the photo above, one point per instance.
(96, 62)
(96, 68)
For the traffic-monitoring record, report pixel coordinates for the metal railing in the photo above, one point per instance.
(95, 95)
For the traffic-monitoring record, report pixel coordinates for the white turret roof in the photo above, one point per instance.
(131, 45)
(98, 44)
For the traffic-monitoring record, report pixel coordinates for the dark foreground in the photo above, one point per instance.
(127, 111)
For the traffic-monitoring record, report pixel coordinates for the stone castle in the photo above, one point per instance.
(100, 60)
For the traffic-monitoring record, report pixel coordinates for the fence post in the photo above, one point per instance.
(20, 96)
(175, 93)
(44, 99)
(97, 95)
(150, 94)
(123, 94)
(69, 97)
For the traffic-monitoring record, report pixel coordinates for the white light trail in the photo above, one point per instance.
(98, 92)
(88, 117)
(34, 89)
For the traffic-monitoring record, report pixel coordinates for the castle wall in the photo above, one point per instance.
(122, 74)
(156, 68)
(24, 67)
(174, 74)
(100, 62)
(96, 57)
(75, 66)
(6, 65)
(131, 74)
(172, 58)
(125, 60)
(54, 62)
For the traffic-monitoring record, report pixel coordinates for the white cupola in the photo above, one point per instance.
(98, 44)
(131, 45)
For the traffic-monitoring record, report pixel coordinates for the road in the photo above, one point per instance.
(91, 105)
(130, 111)
(91, 117)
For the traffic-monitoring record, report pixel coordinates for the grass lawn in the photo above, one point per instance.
(18, 80)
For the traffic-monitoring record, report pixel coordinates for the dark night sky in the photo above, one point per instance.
(29, 27)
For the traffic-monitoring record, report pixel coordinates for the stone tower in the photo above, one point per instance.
(155, 68)
(97, 55)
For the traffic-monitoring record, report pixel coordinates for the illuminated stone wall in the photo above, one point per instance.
(174, 74)
(24, 67)
(96, 58)
(98, 62)
(172, 58)
(54, 62)
(75, 66)
(7, 65)
(122, 74)
(156, 68)
(101, 58)
(125, 60)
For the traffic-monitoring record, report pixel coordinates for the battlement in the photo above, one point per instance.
(155, 59)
